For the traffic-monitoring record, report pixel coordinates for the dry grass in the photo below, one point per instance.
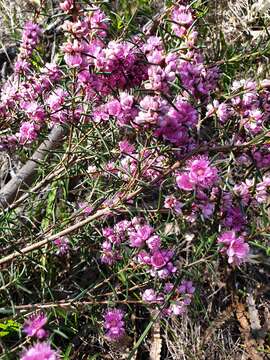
(242, 19)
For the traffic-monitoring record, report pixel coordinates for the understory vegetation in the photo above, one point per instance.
(134, 180)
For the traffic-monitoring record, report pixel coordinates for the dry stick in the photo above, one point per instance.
(25, 176)
(102, 212)
(44, 181)
(42, 243)
(67, 304)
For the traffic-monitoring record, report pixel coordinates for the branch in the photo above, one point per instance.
(25, 177)
(124, 199)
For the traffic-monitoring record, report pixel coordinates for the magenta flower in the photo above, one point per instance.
(27, 132)
(126, 147)
(74, 54)
(183, 182)
(145, 232)
(172, 203)
(114, 324)
(40, 351)
(56, 100)
(113, 108)
(126, 101)
(30, 37)
(35, 111)
(144, 258)
(186, 287)
(235, 247)
(33, 326)
(138, 238)
(62, 244)
(182, 15)
(201, 172)
(158, 260)
(153, 242)
(149, 295)
(21, 66)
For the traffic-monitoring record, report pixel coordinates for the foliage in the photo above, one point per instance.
(157, 193)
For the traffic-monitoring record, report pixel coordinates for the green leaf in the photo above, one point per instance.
(8, 327)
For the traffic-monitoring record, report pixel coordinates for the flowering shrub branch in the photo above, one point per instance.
(149, 138)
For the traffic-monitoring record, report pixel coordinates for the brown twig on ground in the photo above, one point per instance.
(223, 317)
(66, 304)
(250, 343)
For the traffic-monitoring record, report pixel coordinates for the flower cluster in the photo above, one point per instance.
(40, 351)
(155, 101)
(199, 174)
(62, 245)
(182, 19)
(180, 297)
(234, 247)
(33, 326)
(250, 109)
(138, 234)
(30, 37)
(114, 324)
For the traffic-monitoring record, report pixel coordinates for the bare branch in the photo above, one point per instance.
(25, 177)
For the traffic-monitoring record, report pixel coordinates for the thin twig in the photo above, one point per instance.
(124, 199)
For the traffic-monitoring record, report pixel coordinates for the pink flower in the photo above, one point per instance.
(182, 20)
(114, 324)
(153, 242)
(56, 100)
(67, 5)
(135, 240)
(35, 111)
(30, 37)
(74, 53)
(138, 238)
(235, 247)
(184, 182)
(172, 203)
(262, 190)
(145, 231)
(22, 66)
(113, 108)
(126, 147)
(149, 295)
(158, 260)
(62, 244)
(182, 15)
(223, 111)
(178, 308)
(27, 132)
(144, 258)
(40, 351)
(201, 172)
(126, 101)
(33, 326)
